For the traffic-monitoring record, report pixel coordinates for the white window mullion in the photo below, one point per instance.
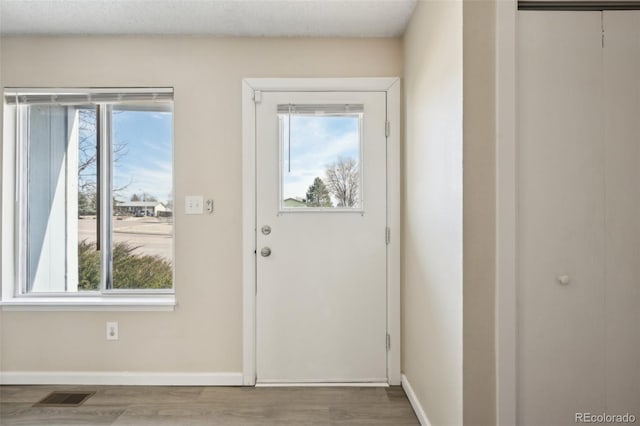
(72, 201)
(21, 196)
(20, 244)
(106, 210)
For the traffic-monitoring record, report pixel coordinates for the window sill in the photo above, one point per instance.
(153, 303)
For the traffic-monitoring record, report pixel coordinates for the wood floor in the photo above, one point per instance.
(195, 406)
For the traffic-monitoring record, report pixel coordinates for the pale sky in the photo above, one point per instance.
(316, 142)
(145, 165)
(146, 162)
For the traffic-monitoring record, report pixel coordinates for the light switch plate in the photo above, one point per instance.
(193, 204)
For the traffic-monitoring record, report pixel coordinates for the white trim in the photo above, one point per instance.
(391, 85)
(95, 378)
(415, 403)
(373, 84)
(103, 124)
(82, 90)
(72, 159)
(8, 177)
(248, 236)
(393, 222)
(147, 303)
(324, 385)
(506, 220)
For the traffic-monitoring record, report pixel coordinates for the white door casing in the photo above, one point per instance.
(621, 68)
(330, 326)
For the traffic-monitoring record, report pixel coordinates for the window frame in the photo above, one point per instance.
(13, 227)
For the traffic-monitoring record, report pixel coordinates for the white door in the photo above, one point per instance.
(321, 263)
(578, 215)
(561, 217)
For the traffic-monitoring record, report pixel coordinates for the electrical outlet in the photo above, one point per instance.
(112, 331)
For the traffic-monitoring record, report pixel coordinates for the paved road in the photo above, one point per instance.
(152, 235)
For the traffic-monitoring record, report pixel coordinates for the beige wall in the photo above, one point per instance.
(479, 212)
(204, 333)
(432, 210)
(449, 250)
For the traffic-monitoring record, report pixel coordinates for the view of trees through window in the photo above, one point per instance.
(342, 185)
(142, 205)
(321, 160)
(94, 203)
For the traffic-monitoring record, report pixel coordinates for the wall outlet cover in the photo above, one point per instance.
(112, 330)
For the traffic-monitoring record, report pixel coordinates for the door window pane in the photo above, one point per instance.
(320, 156)
(142, 223)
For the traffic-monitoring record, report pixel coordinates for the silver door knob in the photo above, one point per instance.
(265, 252)
(266, 230)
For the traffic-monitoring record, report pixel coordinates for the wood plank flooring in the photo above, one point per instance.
(196, 406)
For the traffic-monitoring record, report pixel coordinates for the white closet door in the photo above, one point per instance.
(622, 148)
(561, 217)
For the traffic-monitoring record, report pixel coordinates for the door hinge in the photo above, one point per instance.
(388, 341)
(387, 128)
(257, 96)
(387, 235)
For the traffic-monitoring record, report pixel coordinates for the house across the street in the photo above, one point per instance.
(294, 202)
(142, 208)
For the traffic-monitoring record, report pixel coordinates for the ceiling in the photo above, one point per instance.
(253, 18)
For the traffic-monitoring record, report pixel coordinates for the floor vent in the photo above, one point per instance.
(63, 399)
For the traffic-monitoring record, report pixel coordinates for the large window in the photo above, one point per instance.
(94, 192)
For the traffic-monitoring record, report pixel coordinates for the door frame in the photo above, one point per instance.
(506, 212)
(251, 89)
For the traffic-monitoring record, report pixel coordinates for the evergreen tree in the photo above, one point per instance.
(318, 195)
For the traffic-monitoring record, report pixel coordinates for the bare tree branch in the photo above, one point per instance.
(343, 180)
(88, 155)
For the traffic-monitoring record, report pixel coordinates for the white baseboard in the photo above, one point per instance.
(96, 378)
(322, 384)
(413, 399)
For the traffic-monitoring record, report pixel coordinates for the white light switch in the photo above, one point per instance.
(193, 204)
